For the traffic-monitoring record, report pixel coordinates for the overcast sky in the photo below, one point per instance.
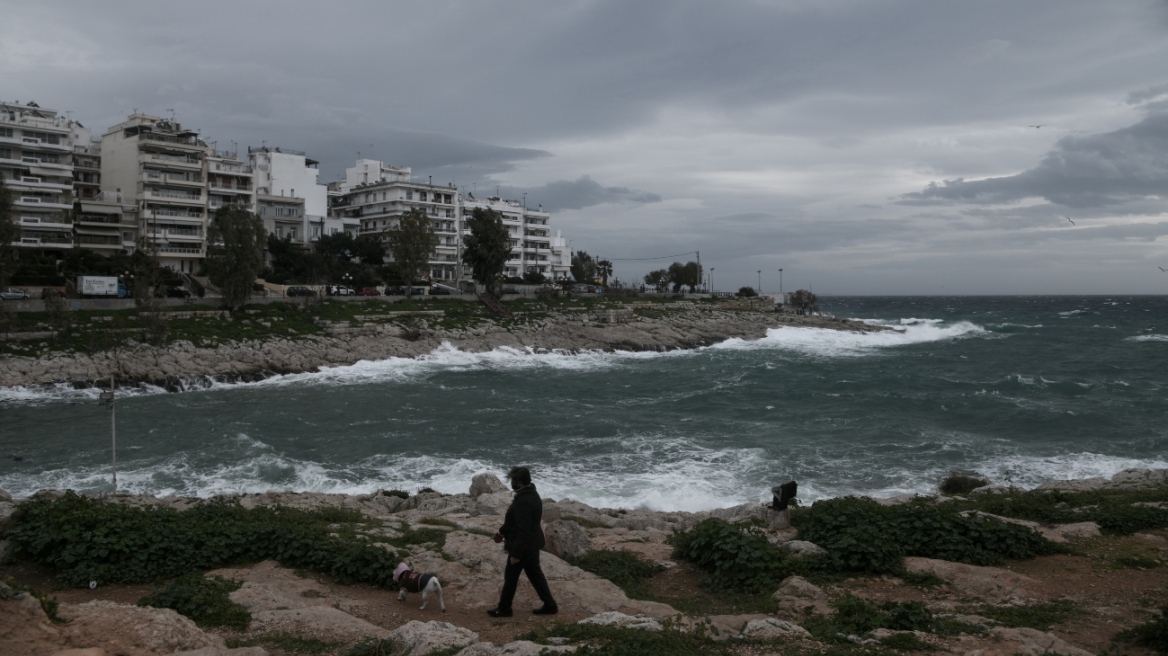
(864, 146)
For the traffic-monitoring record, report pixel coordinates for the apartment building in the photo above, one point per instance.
(534, 249)
(375, 195)
(283, 216)
(291, 174)
(159, 168)
(106, 223)
(230, 182)
(36, 162)
(86, 163)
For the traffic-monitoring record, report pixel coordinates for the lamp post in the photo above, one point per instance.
(780, 281)
(711, 280)
(760, 281)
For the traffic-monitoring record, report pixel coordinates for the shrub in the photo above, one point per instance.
(957, 483)
(86, 539)
(1153, 634)
(1114, 510)
(863, 536)
(203, 600)
(747, 292)
(738, 558)
(627, 570)
(1034, 616)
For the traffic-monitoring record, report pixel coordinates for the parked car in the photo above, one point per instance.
(417, 291)
(177, 292)
(341, 290)
(369, 291)
(299, 291)
(11, 294)
(439, 291)
(395, 291)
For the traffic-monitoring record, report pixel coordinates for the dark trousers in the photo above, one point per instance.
(530, 565)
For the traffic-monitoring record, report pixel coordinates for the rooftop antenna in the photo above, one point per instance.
(171, 114)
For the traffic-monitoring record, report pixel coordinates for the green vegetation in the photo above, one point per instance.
(86, 539)
(203, 600)
(9, 233)
(11, 589)
(235, 253)
(737, 557)
(412, 241)
(288, 643)
(1113, 510)
(627, 570)
(371, 647)
(487, 249)
(1035, 616)
(1153, 634)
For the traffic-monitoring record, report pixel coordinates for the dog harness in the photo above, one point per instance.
(414, 582)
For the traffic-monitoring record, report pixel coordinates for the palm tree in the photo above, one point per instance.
(604, 270)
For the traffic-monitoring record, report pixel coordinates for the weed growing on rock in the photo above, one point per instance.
(86, 539)
(906, 642)
(627, 570)
(203, 600)
(437, 521)
(11, 589)
(288, 643)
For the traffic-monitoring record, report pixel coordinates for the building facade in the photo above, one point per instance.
(36, 162)
(159, 168)
(534, 249)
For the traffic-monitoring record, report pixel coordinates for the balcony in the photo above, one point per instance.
(37, 144)
(96, 241)
(44, 242)
(31, 182)
(172, 140)
(186, 180)
(180, 250)
(175, 196)
(217, 188)
(175, 160)
(44, 223)
(172, 214)
(181, 234)
(39, 202)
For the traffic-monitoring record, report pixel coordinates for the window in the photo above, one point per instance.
(315, 231)
(409, 194)
(279, 232)
(6, 132)
(421, 195)
(127, 236)
(5, 153)
(292, 232)
(263, 210)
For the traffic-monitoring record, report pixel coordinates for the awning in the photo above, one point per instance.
(100, 209)
(37, 170)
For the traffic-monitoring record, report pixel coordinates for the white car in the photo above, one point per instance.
(14, 295)
(343, 291)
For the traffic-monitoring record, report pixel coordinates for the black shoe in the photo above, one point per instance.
(499, 612)
(546, 610)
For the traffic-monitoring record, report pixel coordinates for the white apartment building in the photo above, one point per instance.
(103, 222)
(533, 248)
(158, 167)
(229, 183)
(375, 195)
(36, 162)
(290, 174)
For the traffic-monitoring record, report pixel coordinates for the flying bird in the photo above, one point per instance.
(1036, 126)
(1069, 219)
(1162, 269)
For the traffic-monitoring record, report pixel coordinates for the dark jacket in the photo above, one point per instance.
(522, 534)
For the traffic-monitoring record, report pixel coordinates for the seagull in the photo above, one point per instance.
(1162, 269)
(1036, 126)
(1069, 219)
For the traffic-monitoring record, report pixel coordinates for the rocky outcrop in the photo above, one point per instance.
(621, 620)
(799, 598)
(991, 583)
(181, 364)
(1128, 479)
(772, 628)
(485, 484)
(567, 539)
(144, 629)
(420, 638)
(1030, 642)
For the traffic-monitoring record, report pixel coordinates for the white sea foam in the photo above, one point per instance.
(1149, 338)
(838, 343)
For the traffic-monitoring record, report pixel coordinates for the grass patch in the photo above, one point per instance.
(1034, 616)
(11, 589)
(437, 521)
(288, 643)
(203, 600)
(1113, 510)
(411, 536)
(87, 539)
(627, 570)
(906, 642)
(1137, 562)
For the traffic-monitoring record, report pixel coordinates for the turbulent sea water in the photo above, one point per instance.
(1019, 389)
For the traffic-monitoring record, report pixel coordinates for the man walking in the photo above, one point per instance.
(522, 539)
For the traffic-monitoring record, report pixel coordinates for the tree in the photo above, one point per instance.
(235, 253)
(747, 292)
(583, 267)
(658, 279)
(8, 234)
(604, 270)
(685, 275)
(60, 315)
(487, 249)
(805, 301)
(412, 241)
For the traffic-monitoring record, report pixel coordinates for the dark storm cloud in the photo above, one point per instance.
(579, 193)
(1080, 172)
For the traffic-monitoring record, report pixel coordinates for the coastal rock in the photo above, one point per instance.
(4, 495)
(419, 638)
(621, 620)
(214, 651)
(156, 630)
(1135, 479)
(1074, 485)
(992, 583)
(1030, 642)
(1060, 533)
(486, 484)
(492, 503)
(799, 598)
(771, 628)
(6, 510)
(803, 548)
(566, 539)
(991, 489)
(517, 648)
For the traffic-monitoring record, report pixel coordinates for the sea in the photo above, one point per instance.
(1019, 390)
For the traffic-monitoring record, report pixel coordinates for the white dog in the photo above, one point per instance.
(427, 584)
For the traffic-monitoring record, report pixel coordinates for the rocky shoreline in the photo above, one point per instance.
(283, 602)
(180, 364)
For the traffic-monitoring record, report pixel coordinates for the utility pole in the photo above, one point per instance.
(108, 398)
(760, 281)
(711, 280)
(780, 281)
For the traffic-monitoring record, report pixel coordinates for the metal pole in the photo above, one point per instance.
(760, 281)
(780, 281)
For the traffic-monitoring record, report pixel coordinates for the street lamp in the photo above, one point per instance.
(711, 280)
(760, 281)
(780, 281)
